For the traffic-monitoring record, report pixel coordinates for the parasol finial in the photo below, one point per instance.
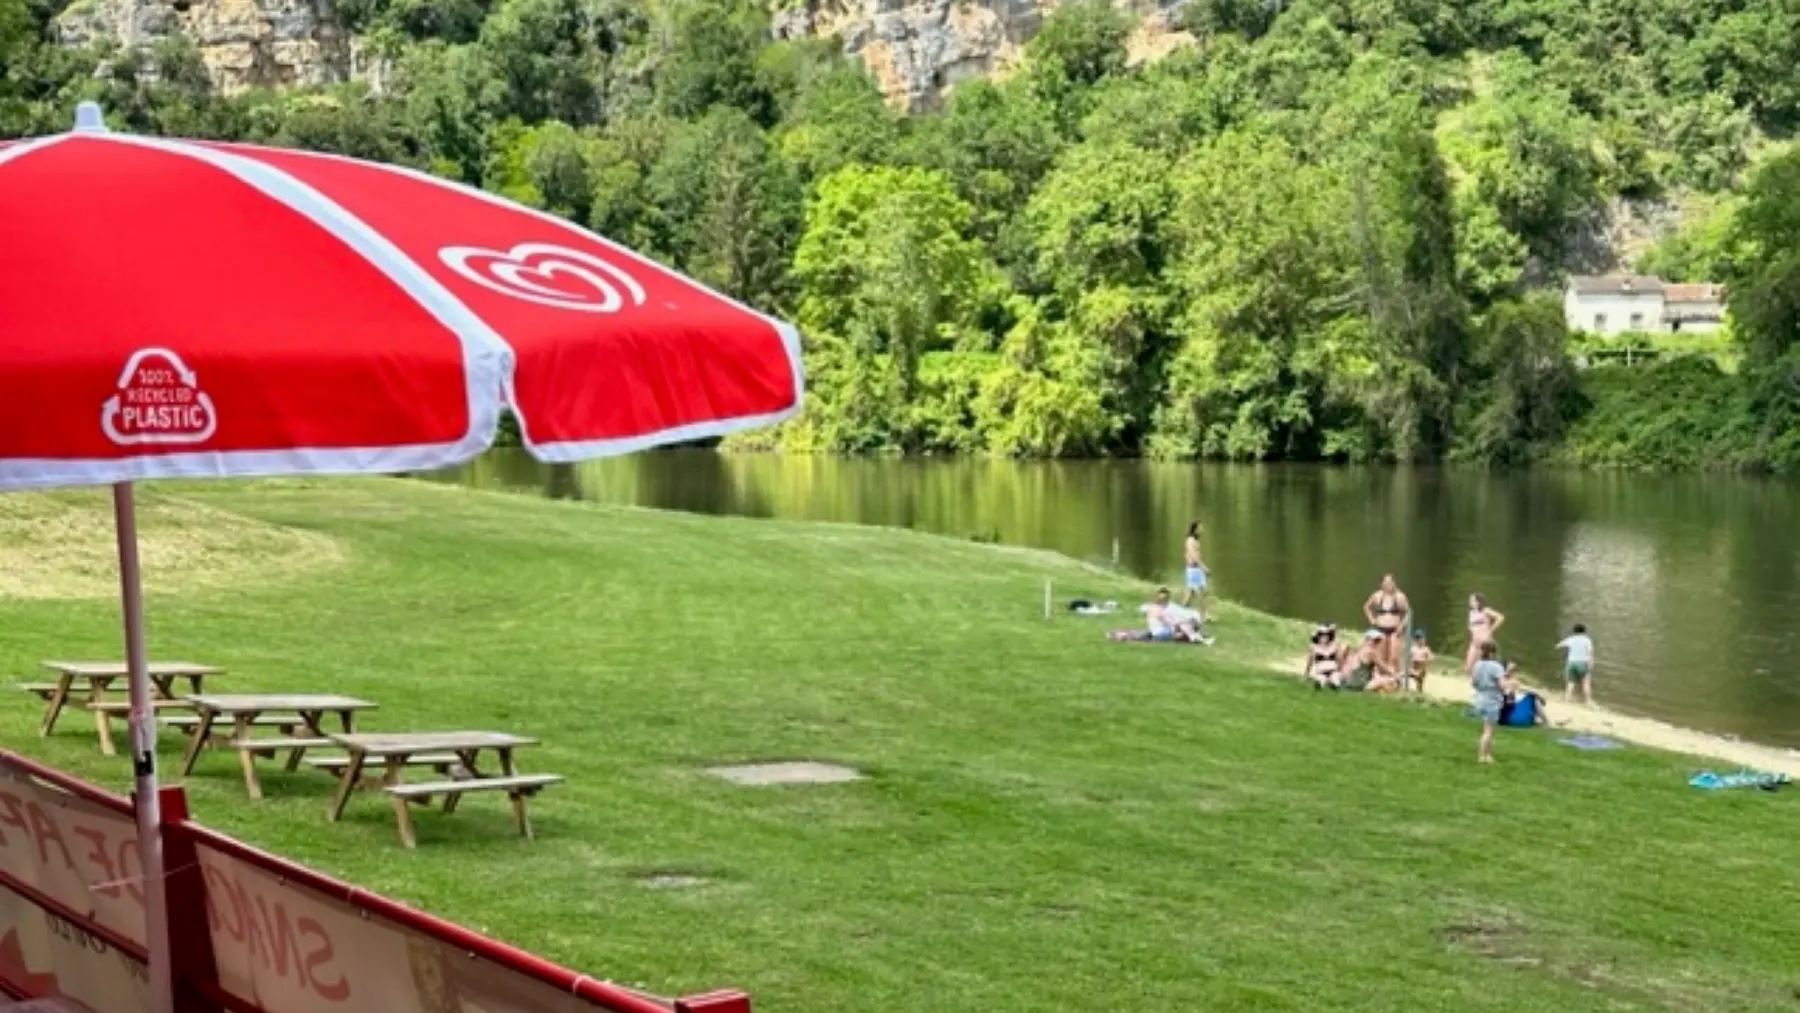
(88, 118)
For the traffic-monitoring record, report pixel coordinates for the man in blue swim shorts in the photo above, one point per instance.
(1196, 570)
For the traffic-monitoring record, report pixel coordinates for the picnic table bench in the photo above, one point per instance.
(298, 718)
(396, 751)
(99, 677)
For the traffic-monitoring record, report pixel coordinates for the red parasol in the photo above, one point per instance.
(182, 308)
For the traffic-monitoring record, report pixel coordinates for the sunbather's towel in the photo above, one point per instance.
(1740, 779)
(1590, 742)
(1083, 607)
(1128, 635)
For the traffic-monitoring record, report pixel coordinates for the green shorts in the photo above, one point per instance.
(1575, 671)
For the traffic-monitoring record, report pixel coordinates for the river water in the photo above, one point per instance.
(1690, 585)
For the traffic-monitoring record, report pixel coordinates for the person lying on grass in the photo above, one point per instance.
(1369, 669)
(1324, 657)
(1491, 681)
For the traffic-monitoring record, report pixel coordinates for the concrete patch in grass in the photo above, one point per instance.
(787, 772)
(670, 880)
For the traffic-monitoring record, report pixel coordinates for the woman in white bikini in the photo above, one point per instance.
(1483, 623)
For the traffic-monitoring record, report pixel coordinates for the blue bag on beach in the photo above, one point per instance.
(1522, 711)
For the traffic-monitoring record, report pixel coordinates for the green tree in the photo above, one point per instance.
(559, 59)
(730, 206)
(886, 275)
(1701, 249)
(709, 57)
(1402, 220)
(1266, 273)
(1098, 226)
(1522, 390)
(1044, 398)
(839, 119)
(450, 95)
(1707, 139)
(994, 142)
(1525, 152)
(1765, 304)
(1080, 44)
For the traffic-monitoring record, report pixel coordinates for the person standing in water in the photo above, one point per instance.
(1578, 665)
(1483, 623)
(1386, 610)
(1491, 682)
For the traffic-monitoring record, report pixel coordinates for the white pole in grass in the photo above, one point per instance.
(1115, 552)
(1046, 600)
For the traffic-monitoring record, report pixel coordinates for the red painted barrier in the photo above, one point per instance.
(254, 932)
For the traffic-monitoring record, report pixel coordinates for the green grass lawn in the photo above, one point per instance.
(1052, 822)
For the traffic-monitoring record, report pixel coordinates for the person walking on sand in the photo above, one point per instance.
(1578, 664)
(1483, 623)
(1386, 610)
(1491, 682)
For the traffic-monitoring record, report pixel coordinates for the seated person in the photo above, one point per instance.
(1168, 621)
(1369, 670)
(1187, 623)
(1324, 657)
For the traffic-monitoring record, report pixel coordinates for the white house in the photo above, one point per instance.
(1616, 304)
(1693, 309)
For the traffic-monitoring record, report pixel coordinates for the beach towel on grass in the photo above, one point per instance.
(1084, 607)
(1741, 779)
(1142, 636)
(1590, 742)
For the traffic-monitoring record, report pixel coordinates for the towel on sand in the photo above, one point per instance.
(1591, 742)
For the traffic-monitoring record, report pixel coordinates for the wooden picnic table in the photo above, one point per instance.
(287, 712)
(99, 676)
(395, 750)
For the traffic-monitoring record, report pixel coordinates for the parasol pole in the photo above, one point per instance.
(143, 754)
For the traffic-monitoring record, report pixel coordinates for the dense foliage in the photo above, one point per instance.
(1328, 228)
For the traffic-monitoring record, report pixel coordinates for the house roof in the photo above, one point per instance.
(1616, 284)
(1694, 293)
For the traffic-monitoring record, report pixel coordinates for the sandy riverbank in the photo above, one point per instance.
(1448, 687)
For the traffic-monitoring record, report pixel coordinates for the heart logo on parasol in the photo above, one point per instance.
(547, 274)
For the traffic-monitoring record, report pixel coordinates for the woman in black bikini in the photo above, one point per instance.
(1386, 610)
(1324, 657)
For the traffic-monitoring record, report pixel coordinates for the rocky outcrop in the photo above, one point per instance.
(245, 43)
(919, 49)
(1619, 232)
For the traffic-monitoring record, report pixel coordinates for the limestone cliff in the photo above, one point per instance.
(245, 43)
(919, 49)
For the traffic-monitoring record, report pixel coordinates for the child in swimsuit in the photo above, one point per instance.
(1421, 660)
(1578, 666)
(1491, 681)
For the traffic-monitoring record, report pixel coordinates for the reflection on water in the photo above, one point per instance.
(1689, 584)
